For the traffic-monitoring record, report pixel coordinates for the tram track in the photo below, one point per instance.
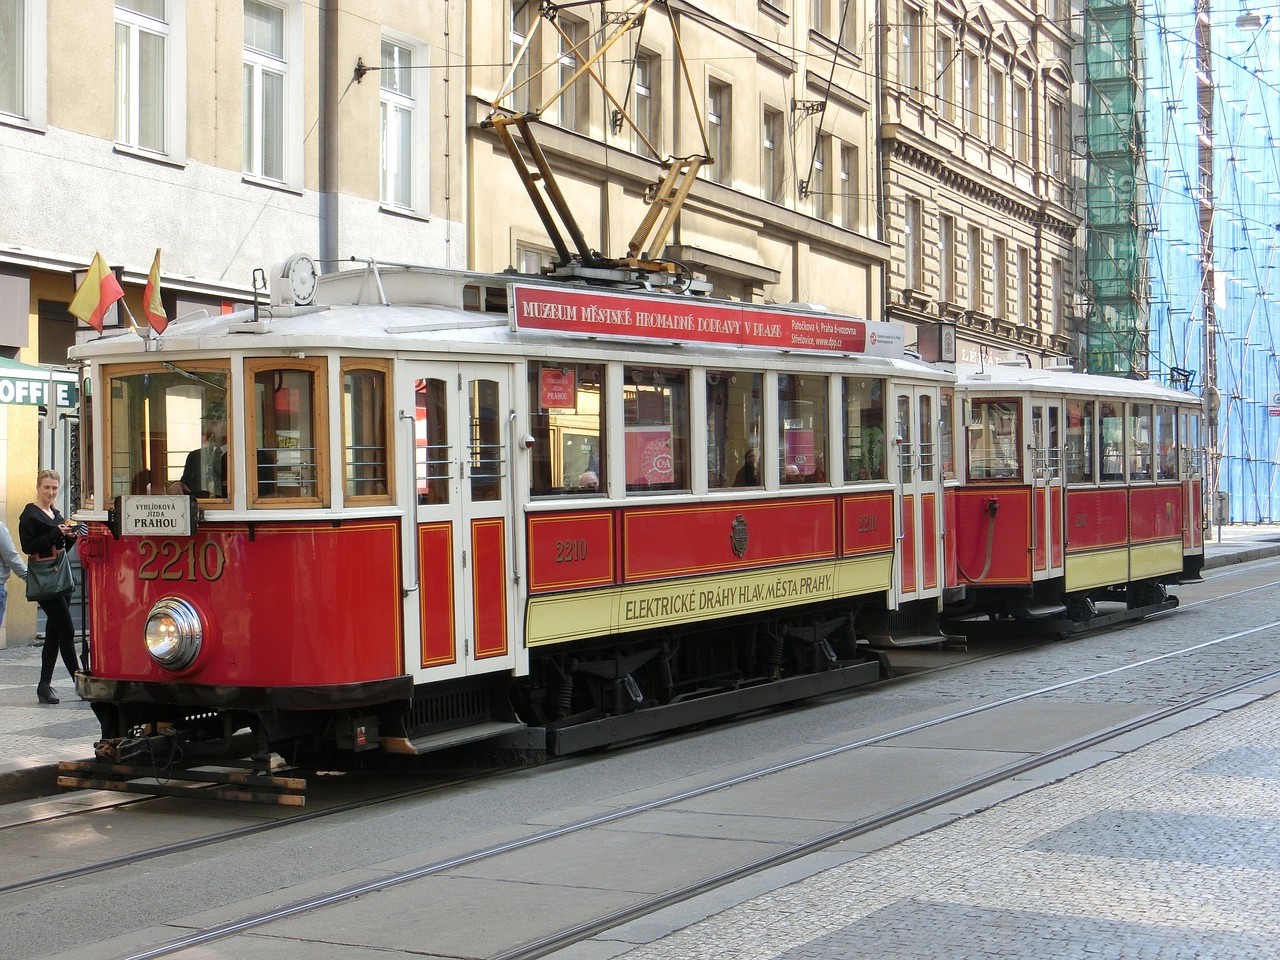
(295, 819)
(575, 932)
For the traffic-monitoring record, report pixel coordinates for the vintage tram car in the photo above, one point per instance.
(404, 508)
(1075, 490)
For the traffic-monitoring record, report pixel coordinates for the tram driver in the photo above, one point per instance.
(205, 472)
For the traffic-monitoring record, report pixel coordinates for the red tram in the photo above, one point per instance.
(1076, 490)
(403, 508)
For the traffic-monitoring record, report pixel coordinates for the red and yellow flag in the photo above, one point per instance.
(152, 305)
(99, 290)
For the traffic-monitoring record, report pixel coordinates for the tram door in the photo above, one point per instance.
(463, 507)
(919, 554)
(1045, 449)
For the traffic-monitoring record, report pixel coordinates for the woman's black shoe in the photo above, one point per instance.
(45, 694)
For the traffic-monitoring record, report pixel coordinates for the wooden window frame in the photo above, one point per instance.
(319, 369)
(373, 365)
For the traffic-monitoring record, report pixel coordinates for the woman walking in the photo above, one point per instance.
(44, 533)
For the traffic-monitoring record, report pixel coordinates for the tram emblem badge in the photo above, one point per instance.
(738, 536)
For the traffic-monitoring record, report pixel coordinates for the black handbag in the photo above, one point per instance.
(49, 577)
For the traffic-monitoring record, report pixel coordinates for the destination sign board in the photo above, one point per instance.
(689, 320)
(150, 516)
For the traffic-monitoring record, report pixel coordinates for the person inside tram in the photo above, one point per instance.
(747, 475)
(204, 474)
(589, 482)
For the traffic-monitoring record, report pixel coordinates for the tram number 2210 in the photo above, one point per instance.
(171, 560)
(568, 551)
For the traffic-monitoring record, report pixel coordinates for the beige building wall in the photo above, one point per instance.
(757, 228)
(976, 147)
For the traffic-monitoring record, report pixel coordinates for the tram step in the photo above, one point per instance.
(915, 640)
(1042, 611)
(450, 738)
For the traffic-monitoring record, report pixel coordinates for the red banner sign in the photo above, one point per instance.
(687, 319)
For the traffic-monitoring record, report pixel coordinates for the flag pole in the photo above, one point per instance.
(134, 323)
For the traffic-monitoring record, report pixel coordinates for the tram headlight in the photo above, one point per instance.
(173, 634)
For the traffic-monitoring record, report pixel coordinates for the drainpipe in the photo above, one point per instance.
(330, 77)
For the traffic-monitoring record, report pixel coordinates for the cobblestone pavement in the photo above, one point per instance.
(1169, 852)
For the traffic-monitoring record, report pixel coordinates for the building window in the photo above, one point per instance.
(718, 131)
(975, 269)
(849, 185)
(22, 59)
(522, 15)
(266, 97)
(149, 56)
(533, 260)
(574, 101)
(848, 27)
(1024, 284)
(911, 50)
(1057, 140)
(645, 113)
(819, 186)
(944, 74)
(398, 123)
(818, 17)
(995, 110)
(913, 243)
(1056, 296)
(771, 156)
(973, 93)
(946, 259)
(1021, 124)
(999, 277)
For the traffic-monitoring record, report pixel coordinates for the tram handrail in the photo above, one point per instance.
(413, 510)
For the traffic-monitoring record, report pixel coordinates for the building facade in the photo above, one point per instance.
(785, 93)
(976, 108)
(227, 133)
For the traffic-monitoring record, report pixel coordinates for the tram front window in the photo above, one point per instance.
(286, 459)
(167, 431)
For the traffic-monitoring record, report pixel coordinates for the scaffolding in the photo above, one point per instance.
(1212, 162)
(1115, 202)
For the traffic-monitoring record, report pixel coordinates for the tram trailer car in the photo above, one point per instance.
(405, 508)
(1075, 490)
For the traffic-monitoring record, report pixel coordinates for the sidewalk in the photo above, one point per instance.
(34, 737)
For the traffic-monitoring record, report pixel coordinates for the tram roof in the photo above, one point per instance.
(993, 378)
(409, 322)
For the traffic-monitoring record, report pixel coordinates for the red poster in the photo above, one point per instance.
(649, 458)
(558, 388)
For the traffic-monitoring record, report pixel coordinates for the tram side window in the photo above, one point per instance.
(655, 415)
(1111, 439)
(733, 428)
(167, 431)
(567, 422)
(432, 452)
(366, 471)
(946, 446)
(1139, 435)
(1190, 446)
(1166, 438)
(802, 428)
(993, 435)
(287, 461)
(1079, 441)
(863, 429)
